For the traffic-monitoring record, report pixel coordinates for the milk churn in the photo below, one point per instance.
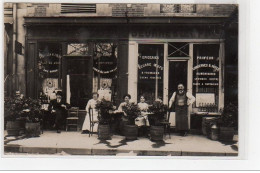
(214, 132)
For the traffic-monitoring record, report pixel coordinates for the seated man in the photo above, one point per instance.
(59, 108)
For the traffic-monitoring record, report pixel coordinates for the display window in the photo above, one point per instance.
(206, 76)
(150, 71)
(49, 60)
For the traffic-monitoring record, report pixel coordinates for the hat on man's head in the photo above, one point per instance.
(59, 93)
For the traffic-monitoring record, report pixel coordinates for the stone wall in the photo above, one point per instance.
(134, 10)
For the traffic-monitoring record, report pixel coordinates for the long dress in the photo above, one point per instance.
(86, 125)
(123, 119)
(143, 119)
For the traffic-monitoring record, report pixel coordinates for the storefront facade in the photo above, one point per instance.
(151, 60)
(146, 52)
(77, 60)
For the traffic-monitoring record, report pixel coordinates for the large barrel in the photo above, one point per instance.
(131, 132)
(104, 132)
(157, 133)
(13, 128)
(32, 129)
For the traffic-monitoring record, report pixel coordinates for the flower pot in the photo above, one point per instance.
(104, 132)
(131, 132)
(22, 122)
(13, 128)
(157, 133)
(226, 134)
(32, 129)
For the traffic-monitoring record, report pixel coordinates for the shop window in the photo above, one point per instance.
(105, 67)
(178, 49)
(150, 71)
(49, 60)
(206, 76)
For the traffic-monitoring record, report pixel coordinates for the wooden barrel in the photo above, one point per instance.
(104, 132)
(32, 129)
(13, 128)
(131, 132)
(157, 133)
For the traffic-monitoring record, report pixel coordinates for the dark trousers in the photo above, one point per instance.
(59, 119)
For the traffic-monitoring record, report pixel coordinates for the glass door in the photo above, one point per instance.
(77, 79)
(177, 75)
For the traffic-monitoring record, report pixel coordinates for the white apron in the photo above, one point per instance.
(142, 120)
(86, 125)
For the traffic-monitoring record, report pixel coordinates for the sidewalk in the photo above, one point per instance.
(75, 143)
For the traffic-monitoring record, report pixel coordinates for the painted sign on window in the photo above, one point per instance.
(206, 73)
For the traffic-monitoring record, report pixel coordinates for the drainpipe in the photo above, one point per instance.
(14, 53)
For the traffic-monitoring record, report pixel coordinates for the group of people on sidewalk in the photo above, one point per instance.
(180, 99)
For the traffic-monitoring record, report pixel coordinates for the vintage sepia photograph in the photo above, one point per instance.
(120, 79)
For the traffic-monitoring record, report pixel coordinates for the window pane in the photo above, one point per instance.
(77, 49)
(105, 67)
(48, 68)
(206, 76)
(150, 71)
(176, 49)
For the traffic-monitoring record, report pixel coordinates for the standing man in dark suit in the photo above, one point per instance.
(59, 108)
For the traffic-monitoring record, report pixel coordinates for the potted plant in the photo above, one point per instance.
(33, 117)
(228, 122)
(13, 115)
(159, 111)
(132, 111)
(104, 107)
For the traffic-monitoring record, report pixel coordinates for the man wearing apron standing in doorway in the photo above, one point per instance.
(182, 100)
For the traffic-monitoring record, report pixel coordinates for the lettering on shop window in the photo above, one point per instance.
(206, 78)
(147, 70)
(48, 64)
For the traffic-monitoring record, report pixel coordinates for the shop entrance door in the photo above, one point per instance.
(77, 79)
(177, 75)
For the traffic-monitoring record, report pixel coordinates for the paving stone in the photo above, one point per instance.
(192, 153)
(74, 151)
(39, 150)
(75, 143)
